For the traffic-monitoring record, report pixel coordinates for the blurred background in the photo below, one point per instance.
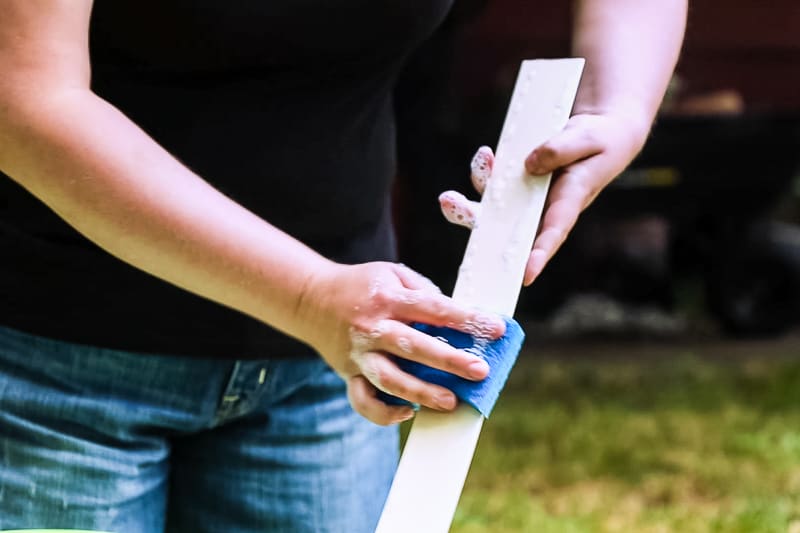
(659, 389)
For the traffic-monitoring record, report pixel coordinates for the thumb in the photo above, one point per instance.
(572, 191)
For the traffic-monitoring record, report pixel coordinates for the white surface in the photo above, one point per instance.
(439, 449)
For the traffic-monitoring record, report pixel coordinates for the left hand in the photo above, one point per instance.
(585, 157)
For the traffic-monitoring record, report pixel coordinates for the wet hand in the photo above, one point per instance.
(357, 317)
(585, 157)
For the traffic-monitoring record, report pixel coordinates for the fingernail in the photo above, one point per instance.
(478, 369)
(529, 276)
(501, 326)
(445, 401)
(534, 268)
(533, 166)
(407, 414)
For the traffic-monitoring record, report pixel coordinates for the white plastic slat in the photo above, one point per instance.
(440, 446)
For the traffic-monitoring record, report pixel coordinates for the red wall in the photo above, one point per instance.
(752, 46)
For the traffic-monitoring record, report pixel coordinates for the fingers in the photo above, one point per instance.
(439, 310)
(381, 373)
(408, 343)
(380, 330)
(455, 207)
(569, 195)
(363, 397)
(397, 338)
(385, 301)
(481, 168)
(385, 375)
(458, 210)
(574, 143)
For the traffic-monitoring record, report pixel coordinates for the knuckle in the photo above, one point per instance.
(452, 361)
(439, 310)
(367, 333)
(559, 236)
(382, 377)
(382, 420)
(360, 326)
(368, 367)
(381, 329)
(410, 296)
(548, 243)
(405, 345)
(381, 297)
(401, 389)
(589, 137)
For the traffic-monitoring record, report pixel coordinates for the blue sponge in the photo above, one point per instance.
(501, 354)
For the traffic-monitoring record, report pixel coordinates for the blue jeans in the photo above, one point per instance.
(102, 439)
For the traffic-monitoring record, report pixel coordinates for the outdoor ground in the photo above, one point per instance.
(684, 436)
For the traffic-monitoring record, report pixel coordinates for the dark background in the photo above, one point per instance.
(699, 234)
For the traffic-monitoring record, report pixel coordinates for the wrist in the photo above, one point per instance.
(637, 119)
(309, 311)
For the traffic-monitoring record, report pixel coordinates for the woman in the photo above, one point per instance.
(237, 160)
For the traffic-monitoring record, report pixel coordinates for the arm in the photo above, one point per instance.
(631, 48)
(114, 184)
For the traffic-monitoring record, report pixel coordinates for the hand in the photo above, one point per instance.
(357, 317)
(590, 152)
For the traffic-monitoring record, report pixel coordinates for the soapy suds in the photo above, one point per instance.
(465, 269)
(410, 297)
(481, 167)
(498, 190)
(479, 348)
(360, 345)
(374, 288)
(379, 330)
(479, 327)
(369, 371)
(508, 258)
(404, 345)
(457, 209)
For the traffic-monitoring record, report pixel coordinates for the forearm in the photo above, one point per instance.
(631, 47)
(114, 184)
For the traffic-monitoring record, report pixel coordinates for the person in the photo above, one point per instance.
(198, 296)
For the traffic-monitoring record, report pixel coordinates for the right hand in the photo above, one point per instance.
(357, 316)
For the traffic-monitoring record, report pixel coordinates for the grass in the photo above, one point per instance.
(656, 444)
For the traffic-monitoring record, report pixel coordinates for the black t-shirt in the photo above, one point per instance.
(285, 106)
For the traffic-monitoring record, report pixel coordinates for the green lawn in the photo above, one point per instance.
(666, 441)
